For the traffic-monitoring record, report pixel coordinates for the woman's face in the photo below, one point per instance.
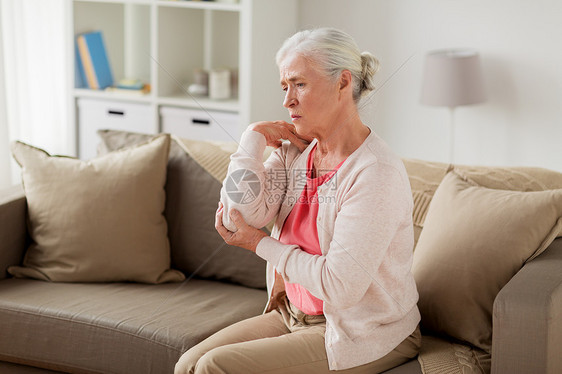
(310, 96)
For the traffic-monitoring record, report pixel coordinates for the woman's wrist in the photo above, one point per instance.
(257, 127)
(254, 246)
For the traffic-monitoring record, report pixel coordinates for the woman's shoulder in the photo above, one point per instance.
(375, 163)
(375, 154)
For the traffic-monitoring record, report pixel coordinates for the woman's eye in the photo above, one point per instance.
(300, 85)
(284, 89)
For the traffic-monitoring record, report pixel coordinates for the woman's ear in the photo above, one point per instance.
(345, 80)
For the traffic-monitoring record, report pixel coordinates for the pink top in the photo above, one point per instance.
(300, 229)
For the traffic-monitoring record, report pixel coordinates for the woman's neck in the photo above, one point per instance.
(342, 140)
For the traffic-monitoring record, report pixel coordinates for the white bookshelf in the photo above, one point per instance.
(163, 41)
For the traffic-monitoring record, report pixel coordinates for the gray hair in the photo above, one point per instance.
(333, 51)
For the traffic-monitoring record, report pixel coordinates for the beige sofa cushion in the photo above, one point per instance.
(425, 177)
(96, 221)
(474, 240)
(195, 173)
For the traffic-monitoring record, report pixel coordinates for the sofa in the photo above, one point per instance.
(58, 316)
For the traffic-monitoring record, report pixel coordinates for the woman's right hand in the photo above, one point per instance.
(274, 131)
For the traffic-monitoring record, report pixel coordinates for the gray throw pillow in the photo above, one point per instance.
(192, 195)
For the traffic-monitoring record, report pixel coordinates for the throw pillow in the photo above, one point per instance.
(425, 177)
(195, 173)
(96, 221)
(474, 241)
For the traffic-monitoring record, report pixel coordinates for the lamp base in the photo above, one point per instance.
(452, 134)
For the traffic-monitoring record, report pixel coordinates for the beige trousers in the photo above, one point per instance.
(279, 342)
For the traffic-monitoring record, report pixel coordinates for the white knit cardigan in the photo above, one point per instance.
(365, 232)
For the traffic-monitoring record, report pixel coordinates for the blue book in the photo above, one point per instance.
(79, 75)
(95, 63)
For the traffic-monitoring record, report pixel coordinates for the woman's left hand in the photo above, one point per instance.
(246, 236)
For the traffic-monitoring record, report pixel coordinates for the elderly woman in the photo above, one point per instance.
(341, 293)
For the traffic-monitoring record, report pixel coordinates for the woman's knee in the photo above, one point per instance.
(186, 363)
(220, 360)
(213, 361)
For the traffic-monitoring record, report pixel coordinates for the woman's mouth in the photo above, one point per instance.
(295, 116)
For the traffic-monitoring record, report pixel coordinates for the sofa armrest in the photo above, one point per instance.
(13, 232)
(527, 318)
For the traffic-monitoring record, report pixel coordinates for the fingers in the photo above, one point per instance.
(288, 126)
(298, 139)
(223, 231)
(275, 131)
(245, 236)
(237, 218)
(298, 142)
(289, 131)
(306, 138)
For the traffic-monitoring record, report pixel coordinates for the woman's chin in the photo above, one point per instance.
(305, 134)
(301, 130)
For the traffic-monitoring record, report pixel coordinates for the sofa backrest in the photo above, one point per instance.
(13, 232)
(425, 177)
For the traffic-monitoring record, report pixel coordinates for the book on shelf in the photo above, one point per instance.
(79, 77)
(131, 84)
(129, 87)
(127, 91)
(94, 62)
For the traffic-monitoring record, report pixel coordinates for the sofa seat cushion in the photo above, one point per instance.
(117, 327)
(9, 367)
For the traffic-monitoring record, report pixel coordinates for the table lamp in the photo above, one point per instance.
(451, 78)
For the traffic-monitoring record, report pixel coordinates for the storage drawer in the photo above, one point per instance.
(199, 124)
(94, 115)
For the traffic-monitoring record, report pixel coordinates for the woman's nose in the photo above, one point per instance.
(290, 99)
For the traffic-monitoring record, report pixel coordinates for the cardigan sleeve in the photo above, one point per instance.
(251, 186)
(374, 209)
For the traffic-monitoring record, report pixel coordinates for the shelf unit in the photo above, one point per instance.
(162, 42)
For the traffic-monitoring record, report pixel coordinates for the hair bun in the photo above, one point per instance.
(369, 65)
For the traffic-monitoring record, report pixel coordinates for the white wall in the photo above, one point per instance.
(520, 43)
(5, 173)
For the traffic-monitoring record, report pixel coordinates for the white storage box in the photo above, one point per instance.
(199, 124)
(94, 115)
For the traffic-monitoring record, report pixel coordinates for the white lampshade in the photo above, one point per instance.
(451, 78)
